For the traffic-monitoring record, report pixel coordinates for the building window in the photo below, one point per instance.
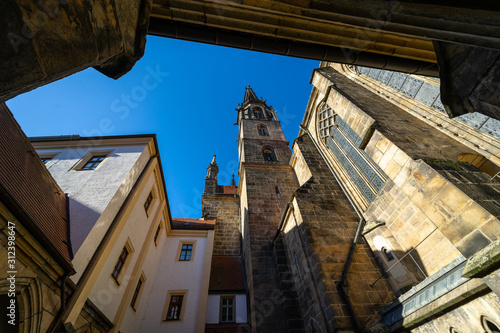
(47, 157)
(175, 305)
(258, 113)
(387, 254)
(122, 262)
(147, 204)
(268, 154)
(262, 129)
(489, 326)
(186, 251)
(227, 309)
(344, 143)
(157, 234)
(137, 292)
(277, 189)
(93, 162)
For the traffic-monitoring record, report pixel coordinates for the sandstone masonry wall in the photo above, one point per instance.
(319, 234)
(225, 208)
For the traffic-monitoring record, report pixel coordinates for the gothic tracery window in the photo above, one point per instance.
(344, 142)
(326, 121)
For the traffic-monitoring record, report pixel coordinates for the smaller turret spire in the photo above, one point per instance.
(249, 95)
(212, 170)
(233, 182)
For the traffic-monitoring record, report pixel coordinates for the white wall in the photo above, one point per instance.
(106, 294)
(90, 192)
(173, 275)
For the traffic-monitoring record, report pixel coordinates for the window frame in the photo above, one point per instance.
(136, 296)
(233, 307)
(170, 294)
(272, 154)
(149, 202)
(79, 166)
(179, 250)
(262, 130)
(157, 236)
(121, 272)
(257, 110)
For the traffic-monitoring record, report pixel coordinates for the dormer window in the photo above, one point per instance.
(94, 162)
(268, 154)
(262, 129)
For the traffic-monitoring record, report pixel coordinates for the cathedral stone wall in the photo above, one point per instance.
(426, 213)
(262, 208)
(318, 236)
(249, 130)
(225, 208)
(254, 151)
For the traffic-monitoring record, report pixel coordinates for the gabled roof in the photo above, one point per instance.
(227, 274)
(30, 193)
(227, 189)
(193, 224)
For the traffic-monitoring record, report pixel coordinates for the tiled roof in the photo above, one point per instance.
(193, 224)
(227, 274)
(227, 189)
(29, 191)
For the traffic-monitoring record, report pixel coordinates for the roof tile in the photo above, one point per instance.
(227, 274)
(193, 224)
(30, 192)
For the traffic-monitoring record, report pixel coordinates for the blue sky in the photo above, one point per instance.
(184, 92)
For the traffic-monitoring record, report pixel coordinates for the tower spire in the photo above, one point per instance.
(212, 169)
(233, 182)
(249, 95)
(211, 178)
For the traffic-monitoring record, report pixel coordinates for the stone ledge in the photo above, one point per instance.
(457, 295)
(483, 261)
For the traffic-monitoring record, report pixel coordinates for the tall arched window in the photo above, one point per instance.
(268, 154)
(262, 129)
(258, 113)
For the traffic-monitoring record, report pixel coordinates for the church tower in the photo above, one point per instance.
(267, 182)
(211, 178)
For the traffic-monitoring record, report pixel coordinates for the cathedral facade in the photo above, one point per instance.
(381, 216)
(384, 217)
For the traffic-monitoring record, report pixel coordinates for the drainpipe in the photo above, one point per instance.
(343, 281)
